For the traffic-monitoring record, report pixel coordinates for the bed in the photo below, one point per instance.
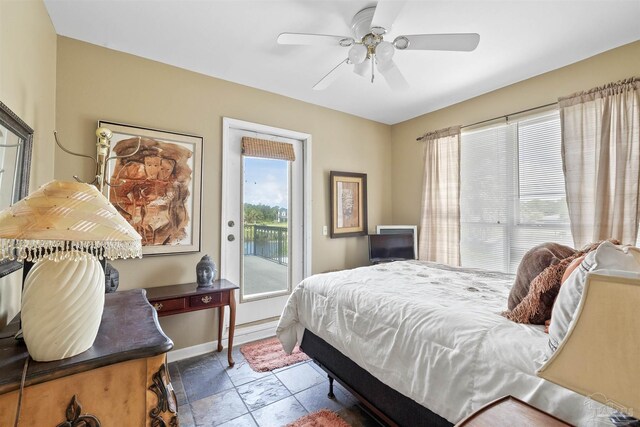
(423, 343)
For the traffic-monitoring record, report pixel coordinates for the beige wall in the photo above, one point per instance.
(27, 87)
(95, 83)
(407, 154)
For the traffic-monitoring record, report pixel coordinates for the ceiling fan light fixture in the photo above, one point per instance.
(357, 54)
(385, 51)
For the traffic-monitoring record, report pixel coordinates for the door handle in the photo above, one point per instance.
(231, 237)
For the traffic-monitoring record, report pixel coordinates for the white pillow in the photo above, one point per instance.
(606, 257)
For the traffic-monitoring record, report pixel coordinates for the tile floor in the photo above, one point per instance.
(209, 393)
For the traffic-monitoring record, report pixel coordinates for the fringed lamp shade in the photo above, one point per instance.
(64, 227)
(64, 216)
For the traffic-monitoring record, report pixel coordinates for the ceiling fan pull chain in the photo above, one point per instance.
(372, 69)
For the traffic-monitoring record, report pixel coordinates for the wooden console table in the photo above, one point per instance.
(122, 380)
(175, 299)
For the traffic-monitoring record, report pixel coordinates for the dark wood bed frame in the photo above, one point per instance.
(388, 405)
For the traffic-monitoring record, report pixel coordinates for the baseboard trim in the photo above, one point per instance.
(242, 335)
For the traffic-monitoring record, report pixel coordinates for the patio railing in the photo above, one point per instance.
(267, 242)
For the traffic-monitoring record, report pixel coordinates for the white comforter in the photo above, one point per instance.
(433, 333)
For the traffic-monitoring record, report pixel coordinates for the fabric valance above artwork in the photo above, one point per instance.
(256, 147)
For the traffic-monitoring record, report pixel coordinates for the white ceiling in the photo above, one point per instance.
(235, 40)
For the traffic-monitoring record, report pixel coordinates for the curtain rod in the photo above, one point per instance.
(499, 117)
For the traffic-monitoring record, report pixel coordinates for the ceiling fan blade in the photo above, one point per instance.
(386, 13)
(392, 75)
(332, 76)
(362, 68)
(314, 39)
(461, 42)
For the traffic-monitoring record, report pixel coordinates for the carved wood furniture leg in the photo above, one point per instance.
(232, 324)
(161, 399)
(331, 395)
(220, 324)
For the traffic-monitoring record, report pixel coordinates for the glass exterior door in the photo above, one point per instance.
(265, 202)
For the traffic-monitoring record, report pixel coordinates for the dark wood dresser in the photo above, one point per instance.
(121, 381)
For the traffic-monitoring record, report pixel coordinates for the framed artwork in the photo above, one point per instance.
(157, 186)
(348, 204)
(16, 141)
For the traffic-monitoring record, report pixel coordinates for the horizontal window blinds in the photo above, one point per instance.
(486, 173)
(486, 195)
(539, 159)
(256, 147)
(512, 193)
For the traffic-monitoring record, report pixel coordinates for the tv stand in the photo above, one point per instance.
(386, 260)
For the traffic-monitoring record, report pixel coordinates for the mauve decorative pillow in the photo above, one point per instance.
(574, 264)
(533, 263)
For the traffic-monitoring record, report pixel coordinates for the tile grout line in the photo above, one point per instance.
(254, 419)
(250, 412)
(291, 394)
(235, 388)
(186, 397)
(300, 403)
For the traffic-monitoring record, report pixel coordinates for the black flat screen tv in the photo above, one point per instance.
(390, 247)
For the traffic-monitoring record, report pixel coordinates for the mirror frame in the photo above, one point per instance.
(16, 125)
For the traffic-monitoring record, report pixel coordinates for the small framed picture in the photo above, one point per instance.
(348, 204)
(155, 183)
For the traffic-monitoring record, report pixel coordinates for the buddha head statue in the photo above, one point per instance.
(205, 271)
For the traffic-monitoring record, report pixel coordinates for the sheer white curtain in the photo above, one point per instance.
(601, 160)
(440, 217)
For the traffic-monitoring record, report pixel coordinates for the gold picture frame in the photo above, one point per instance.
(348, 204)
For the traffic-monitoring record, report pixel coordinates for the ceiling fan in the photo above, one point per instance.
(368, 47)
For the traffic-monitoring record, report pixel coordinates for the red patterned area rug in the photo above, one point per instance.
(321, 418)
(267, 355)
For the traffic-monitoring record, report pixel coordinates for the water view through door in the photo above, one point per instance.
(266, 227)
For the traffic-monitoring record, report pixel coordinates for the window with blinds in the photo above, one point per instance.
(512, 194)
